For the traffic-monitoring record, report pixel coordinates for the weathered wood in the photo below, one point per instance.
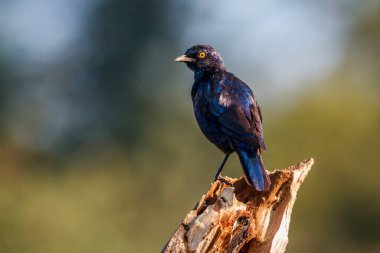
(234, 217)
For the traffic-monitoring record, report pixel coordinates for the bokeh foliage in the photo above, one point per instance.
(124, 179)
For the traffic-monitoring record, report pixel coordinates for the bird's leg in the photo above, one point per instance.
(221, 166)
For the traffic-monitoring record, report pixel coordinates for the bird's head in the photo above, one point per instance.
(203, 58)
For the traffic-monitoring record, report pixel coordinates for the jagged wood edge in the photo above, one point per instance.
(233, 217)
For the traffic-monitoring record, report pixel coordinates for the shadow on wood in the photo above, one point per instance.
(233, 217)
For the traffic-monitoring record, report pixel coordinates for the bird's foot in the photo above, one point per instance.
(223, 180)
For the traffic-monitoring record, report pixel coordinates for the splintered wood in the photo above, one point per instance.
(233, 217)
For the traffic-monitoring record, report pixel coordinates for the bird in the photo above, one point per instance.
(227, 113)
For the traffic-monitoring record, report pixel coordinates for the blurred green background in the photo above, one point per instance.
(100, 151)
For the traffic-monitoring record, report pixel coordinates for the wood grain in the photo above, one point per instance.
(233, 217)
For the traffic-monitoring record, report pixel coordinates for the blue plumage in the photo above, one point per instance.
(253, 168)
(227, 112)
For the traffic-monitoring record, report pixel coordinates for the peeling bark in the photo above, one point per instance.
(233, 217)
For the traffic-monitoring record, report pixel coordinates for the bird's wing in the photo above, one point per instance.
(239, 115)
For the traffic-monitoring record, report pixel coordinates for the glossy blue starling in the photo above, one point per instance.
(227, 113)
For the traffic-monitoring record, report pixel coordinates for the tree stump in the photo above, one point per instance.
(233, 217)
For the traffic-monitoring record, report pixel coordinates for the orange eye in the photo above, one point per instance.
(201, 55)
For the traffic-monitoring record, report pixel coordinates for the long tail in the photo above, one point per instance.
(254, 169)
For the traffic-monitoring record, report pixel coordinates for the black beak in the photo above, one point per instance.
(184, 58)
